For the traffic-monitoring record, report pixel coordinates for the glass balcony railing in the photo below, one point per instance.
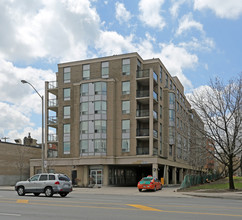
(155, 96)
(142, 150)
(53, 138)
(52, 85)
(142, 113)
(155, 77)
(142, 73)
(53, 103)
(143, 132)
(142, 93)
(155, 115)
(52, 120)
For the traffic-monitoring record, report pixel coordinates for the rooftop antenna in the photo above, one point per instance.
(5, 138)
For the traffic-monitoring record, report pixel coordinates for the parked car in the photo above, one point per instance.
(47, 183)
(149, 183)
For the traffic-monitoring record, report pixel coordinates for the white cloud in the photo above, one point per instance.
(151, 13)
(112, 43)
(176, 4)
(176, 59)
(204, 44)
(186, 23)
(122, 15)
(230, 9)
(55, 29)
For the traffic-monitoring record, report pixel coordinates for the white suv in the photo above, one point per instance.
(47, 183)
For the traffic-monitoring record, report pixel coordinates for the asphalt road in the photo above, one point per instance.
(79, 206)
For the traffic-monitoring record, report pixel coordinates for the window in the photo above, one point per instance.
(100, 88)
(100, 126)
(160, 74)
(67, 147)
(172, 98)
(171, 115)
(83, 146)
(86, 71)
(84, 127)
(67, 128)
(171, 85)
(43, 177)
(51, 177)
(105, 69)
(67, 94)
(166, 81)
(100, 146)
(67, 74)
(84, 108)
(125, 107)
(100, 107)
(84, 89)
(138, 65)
(67, 111)
(126, 66)
(170, 150)
(125, 126)
(160, 93)
(125, 145)
(160, 111)
(125, 87)
(35, 177)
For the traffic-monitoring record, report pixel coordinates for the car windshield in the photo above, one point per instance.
(147, 179)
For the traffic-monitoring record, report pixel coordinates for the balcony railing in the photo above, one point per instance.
(143, 132)
(142, 113)
(52, 120)
(155, 115)
(142, 150)
(53, 138)
(53, 103)
(155, 96)
(142, 73)
(142, 93)
(53, 85)
(155, 77)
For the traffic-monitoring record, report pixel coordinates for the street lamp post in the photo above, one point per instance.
(42, 145)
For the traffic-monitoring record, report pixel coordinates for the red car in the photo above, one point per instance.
(149, 183)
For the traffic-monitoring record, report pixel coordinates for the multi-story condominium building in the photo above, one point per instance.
(113, 120)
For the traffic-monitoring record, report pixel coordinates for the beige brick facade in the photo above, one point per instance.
(144, 117)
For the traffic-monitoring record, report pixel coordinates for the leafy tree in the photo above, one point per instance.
(220, 108)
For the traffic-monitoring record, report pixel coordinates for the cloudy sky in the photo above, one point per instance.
(195, 39)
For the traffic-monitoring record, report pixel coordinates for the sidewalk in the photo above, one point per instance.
(165, 192)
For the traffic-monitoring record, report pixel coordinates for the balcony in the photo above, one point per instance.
(53, 104)
(142, 93)
(142, 73)
(53, 87)
(142, 113)
(142, 150)
(52, 121)
(143, 132)
(52, 138)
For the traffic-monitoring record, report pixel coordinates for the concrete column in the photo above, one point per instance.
(86, 175)
(181, 176)
(105, 175)
(155, 170)
(166, 175)
(174, 175)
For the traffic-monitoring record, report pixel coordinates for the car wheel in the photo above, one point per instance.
(48, 191)
(36, 194)
(140, 190)
(21, 191)
(63, 194)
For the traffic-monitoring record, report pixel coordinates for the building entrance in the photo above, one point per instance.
(96, 177)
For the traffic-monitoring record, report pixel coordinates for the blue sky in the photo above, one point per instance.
(195, 39)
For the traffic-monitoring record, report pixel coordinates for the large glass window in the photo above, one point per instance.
(105, 69)
(100, 146)
(100, 107)
(172, 98)
(67, 128)
(125, 107)
(86, 71)
(166, 85)
(84, 108)
(84, 127)
(67, 93)
(100, 126)
(83, 146)
(67, 147)
(67, 74)
(67, 111)
(84, 89)
(100, 88)
(125, 87)
(126, 66)
(125, 126)
(125, 145)
(171, 115)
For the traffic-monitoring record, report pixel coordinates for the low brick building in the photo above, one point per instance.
(14, 161)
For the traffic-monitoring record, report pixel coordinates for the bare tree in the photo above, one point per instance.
(220, 108)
